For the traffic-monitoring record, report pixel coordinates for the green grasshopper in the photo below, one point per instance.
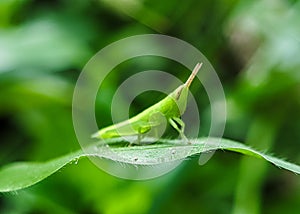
(171, 107)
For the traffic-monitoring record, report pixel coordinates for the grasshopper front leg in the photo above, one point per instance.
(179, 125)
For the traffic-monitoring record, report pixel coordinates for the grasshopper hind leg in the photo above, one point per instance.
(141, 134)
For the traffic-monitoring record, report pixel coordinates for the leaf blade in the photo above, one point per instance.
(20, 175)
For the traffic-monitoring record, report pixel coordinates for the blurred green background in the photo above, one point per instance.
(253, 45)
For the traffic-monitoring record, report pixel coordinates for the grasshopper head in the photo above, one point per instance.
(180, 96)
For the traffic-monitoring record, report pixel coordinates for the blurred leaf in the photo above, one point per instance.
(137, 10)
(20, 175)
(7, 9)
(32, 100)
(47, 43)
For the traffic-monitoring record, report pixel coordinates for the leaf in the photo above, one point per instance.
(19, 175)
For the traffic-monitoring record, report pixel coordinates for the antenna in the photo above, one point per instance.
(193, 74)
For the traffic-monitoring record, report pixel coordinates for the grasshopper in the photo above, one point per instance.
(171, 107)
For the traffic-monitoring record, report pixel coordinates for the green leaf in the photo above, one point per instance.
(19, 175)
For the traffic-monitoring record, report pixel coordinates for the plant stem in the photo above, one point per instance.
(261, 136)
